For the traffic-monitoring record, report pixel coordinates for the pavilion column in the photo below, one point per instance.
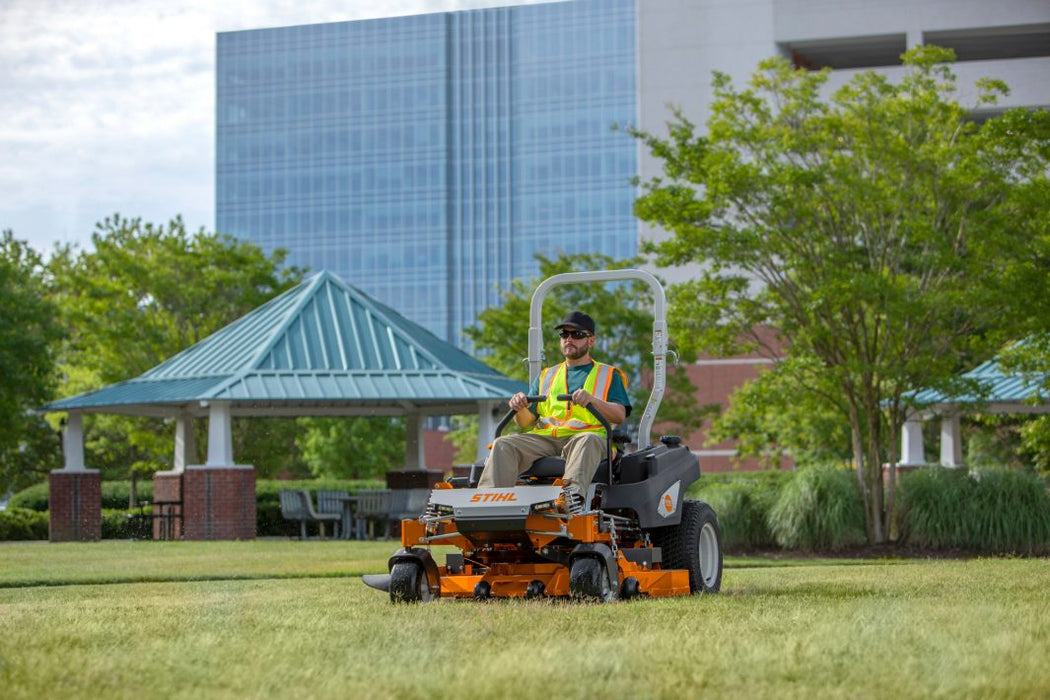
(951, 441)
(185, 443)
(415, 457)
(487, 421)
(74, 492)
(219, 496)
(912, 448)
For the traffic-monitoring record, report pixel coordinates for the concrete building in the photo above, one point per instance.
(428, 158)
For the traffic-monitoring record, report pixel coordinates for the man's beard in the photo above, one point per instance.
(574, 352)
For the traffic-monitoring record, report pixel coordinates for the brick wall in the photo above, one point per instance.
(218, 503)
(75, 505)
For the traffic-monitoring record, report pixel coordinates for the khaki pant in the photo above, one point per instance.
(513, 454)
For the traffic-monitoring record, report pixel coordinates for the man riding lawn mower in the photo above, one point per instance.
(567, 525)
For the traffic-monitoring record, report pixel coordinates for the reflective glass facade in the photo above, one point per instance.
(426, 159)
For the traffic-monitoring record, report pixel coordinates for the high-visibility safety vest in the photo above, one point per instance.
(555, 418)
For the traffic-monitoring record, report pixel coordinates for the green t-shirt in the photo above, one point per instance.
(576, 376)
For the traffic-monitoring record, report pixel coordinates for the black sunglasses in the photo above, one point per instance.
(575, 335)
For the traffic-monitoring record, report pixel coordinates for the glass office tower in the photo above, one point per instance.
(427, 159)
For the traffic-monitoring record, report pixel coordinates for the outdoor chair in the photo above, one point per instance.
(321, 517)
(408, 504)
(331, 501)
(297, 505)
(373, 505)
(292, 509)
(336, 502)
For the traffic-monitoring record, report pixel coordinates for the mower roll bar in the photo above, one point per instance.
(645, 425)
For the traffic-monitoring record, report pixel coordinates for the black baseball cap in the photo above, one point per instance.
(577, 320)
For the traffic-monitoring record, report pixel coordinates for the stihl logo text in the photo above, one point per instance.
(493, 497)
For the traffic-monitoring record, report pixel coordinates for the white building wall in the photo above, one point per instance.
(680, 43)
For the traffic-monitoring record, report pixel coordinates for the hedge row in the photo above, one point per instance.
(989, 511)
(816, 508)
(26, 515)
(819, 509)
(114, 495)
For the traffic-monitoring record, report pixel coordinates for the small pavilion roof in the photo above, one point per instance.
(996, 390)
(323, 347)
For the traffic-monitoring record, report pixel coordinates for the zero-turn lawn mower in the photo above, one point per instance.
(636, 534)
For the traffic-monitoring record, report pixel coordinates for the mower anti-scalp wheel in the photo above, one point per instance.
(630, 588)
(408, 583)
(695, 544)
(588, 581)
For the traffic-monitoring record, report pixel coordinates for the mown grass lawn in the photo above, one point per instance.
(292, 619)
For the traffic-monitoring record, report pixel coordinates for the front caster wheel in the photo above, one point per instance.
(588, 580)
(408, 584)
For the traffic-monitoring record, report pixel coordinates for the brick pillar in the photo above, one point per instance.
(167, 506)
(218, 503)
(75, 505)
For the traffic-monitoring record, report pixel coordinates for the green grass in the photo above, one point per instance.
(290, 619)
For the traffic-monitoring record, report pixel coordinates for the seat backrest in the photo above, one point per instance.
(330, 501)
(398, 502)
(291, 504)
(372, 502)
(417, 500)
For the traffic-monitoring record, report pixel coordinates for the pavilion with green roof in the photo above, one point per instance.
(993, 389)
(322, 348)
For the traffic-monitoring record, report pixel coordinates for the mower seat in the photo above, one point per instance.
(554, 467)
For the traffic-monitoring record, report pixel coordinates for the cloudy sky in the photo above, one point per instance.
(109, 105)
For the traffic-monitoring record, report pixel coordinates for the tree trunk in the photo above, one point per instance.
(858, 459)
(133, 497)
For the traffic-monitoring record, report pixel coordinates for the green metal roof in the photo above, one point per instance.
(321, 344)
(999, 389)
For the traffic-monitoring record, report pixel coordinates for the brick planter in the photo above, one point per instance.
(218, 503)
(75, 506)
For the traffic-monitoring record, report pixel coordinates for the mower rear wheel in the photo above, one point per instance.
(408, 583)
(695, 544)
(588, 580)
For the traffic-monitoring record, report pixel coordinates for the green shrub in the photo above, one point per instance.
(23, 524)
(742, 507)
(819, 509)
(114, 495)
(930, 506)
(120, 524)
(31, 498)
(995, 511)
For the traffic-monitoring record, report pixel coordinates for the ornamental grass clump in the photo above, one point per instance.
(819, 509)
(993, 511)
(743, 509)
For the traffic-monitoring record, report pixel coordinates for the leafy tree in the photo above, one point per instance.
(623, 312)
(353, 447)
(144, 293)
(768, 417)
(879, 231)
(29, 331)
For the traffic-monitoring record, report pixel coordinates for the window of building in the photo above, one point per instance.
(992, 43)
(847, 52)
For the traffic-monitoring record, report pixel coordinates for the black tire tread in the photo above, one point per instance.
(678, 543)
(404, 582)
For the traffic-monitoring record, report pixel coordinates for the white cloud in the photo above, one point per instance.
(109, 105)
